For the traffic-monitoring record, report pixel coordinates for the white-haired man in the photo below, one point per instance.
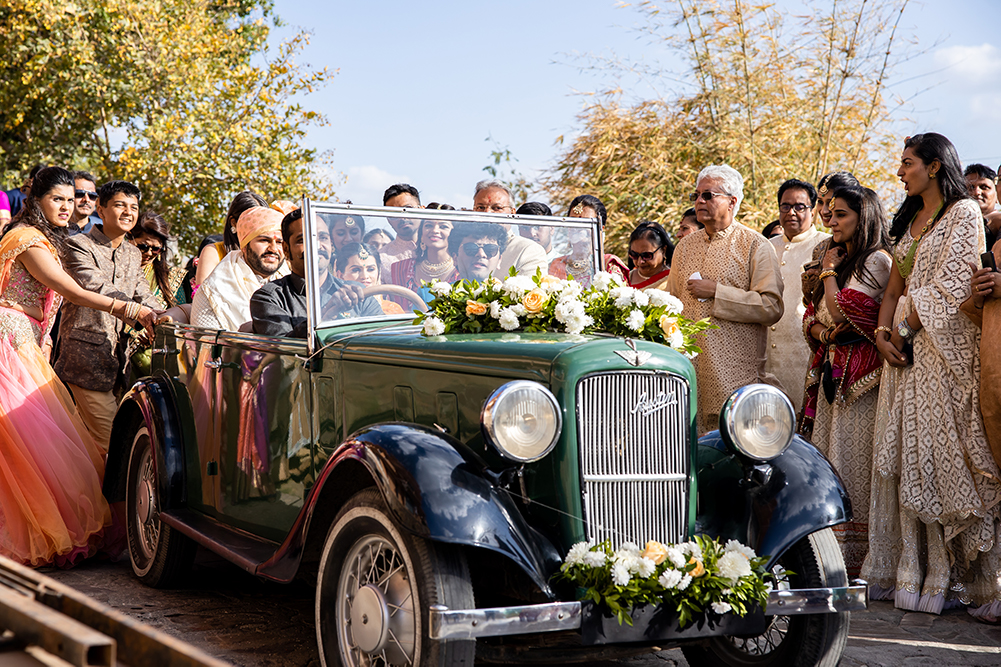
(730, 274)
(525, 255)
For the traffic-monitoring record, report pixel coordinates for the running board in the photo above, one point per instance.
(239, 547)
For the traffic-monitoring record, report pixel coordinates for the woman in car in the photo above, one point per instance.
(359, 262)
(345, 229)
(431, 263)
(50, 482)
(589, 206)
(846, 367)
(650, 251)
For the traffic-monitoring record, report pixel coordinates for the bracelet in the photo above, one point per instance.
(111, 308)
(885, 328)
(828, 273)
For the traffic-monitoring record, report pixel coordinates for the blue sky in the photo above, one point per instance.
(421, 85)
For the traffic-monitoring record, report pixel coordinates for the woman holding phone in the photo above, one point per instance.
(936, 488)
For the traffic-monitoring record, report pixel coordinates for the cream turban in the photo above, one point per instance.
(256, 221)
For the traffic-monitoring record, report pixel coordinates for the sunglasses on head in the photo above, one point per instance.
(645, 256)
(89, 194)
(145, 247)
(489, 249)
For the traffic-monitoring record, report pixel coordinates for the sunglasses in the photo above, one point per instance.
(489, 249)
(145, 247)
(706, 196)
(799, 207)
(645, 256)
(89, 194)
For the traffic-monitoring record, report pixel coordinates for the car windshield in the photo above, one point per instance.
(395, 254)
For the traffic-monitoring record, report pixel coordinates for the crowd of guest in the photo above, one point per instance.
(878, 330)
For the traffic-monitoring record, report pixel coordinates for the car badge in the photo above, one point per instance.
(646, 406)
(634, 357)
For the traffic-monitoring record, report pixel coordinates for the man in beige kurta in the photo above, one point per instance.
(788, 355)
(738, 286)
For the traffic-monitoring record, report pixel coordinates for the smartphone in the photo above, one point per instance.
(987, 261)
(811, 266)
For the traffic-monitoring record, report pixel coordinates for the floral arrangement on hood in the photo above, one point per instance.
(546, 303)
(690, 577)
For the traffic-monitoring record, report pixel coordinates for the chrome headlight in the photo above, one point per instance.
(522, 420)
(758, 421)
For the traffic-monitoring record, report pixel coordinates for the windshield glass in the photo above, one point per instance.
(378, 263)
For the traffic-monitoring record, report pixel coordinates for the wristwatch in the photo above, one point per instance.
(905, 330)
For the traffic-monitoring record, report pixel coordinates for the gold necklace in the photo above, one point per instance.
(436, 270)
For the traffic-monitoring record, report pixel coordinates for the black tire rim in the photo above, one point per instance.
(775, 634)
(143, 512)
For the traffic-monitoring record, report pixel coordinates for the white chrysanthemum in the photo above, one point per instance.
(676, 340)
(640, 298)
(620, 575)
(568, 307)
(645, 567)
(733, 566)
(691, 549)
(433, 326)
(721, 607)
(661, 298)
(630, 548)
(595, 558)
(685, 580)
(746, 551)
(508, 320)
(676, 557)
(440, 287)
(519, 310)
(602, 280)
(623, 296)
(517, 286)
(571, 288)
(495, 309)
(636, 320)
(575, 324)
(669, 578)
(577, 552)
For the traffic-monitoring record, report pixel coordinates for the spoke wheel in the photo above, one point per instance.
(375, 586)
(816, 639)
(159, 555)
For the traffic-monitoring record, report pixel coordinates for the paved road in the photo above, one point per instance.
(238, 618)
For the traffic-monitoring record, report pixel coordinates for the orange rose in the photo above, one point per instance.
(550, 281)
(534, 301)
(475, 308)
(699, 568)
(668, 324)
(655, 551)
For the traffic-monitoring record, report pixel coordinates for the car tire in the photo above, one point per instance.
(375, 577)
(813, 639)
(159, 554)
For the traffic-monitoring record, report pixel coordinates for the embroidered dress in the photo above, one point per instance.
(936, 489)
(52, 510)
(842, 428)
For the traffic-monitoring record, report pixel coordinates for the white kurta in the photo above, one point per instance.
(223, 300)
(788, 355)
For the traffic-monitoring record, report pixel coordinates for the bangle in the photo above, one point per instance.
(828, 273)
(111, 308)
(885, 328)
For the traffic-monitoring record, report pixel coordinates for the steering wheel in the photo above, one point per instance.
(396, 290)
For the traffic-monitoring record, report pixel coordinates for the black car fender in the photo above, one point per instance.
(152, 401)
(434, 492)
(768, 506)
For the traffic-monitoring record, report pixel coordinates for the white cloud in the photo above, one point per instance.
(365, 184)
(977, 65)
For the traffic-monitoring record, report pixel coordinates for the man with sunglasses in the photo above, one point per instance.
(730, 274)
(83, 216)
(476, 248)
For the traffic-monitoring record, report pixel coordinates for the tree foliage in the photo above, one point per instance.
(183, 97)
(772, 95)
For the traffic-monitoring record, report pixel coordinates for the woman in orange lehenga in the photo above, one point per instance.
(52, 510)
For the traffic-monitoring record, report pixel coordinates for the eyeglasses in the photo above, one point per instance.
(489, 249)
(798, 207)
(496, 208)
(706, 196)
(645, 256)
(154, 249)
(89, 194)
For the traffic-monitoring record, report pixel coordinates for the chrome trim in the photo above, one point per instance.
(445, 623)
(633, 437)
(730, 407)
(819, 600)
(488, 415)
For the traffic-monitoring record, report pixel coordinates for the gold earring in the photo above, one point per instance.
(931, 175)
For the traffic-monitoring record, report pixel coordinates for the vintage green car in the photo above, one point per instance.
(430, 485)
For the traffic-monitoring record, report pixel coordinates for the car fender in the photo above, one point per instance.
(152, 400)
(769, 506)
(432, 491)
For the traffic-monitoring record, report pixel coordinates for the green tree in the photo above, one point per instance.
(774, 96)
(184, 98)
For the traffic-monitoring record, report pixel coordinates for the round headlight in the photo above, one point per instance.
(759, 421)
(522, 420)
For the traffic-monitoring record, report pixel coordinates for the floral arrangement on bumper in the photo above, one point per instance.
(546, 303)
(690, 577)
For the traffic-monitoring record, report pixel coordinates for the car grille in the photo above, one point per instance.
(633, 431)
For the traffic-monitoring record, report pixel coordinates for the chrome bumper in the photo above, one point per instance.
(448, 623)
